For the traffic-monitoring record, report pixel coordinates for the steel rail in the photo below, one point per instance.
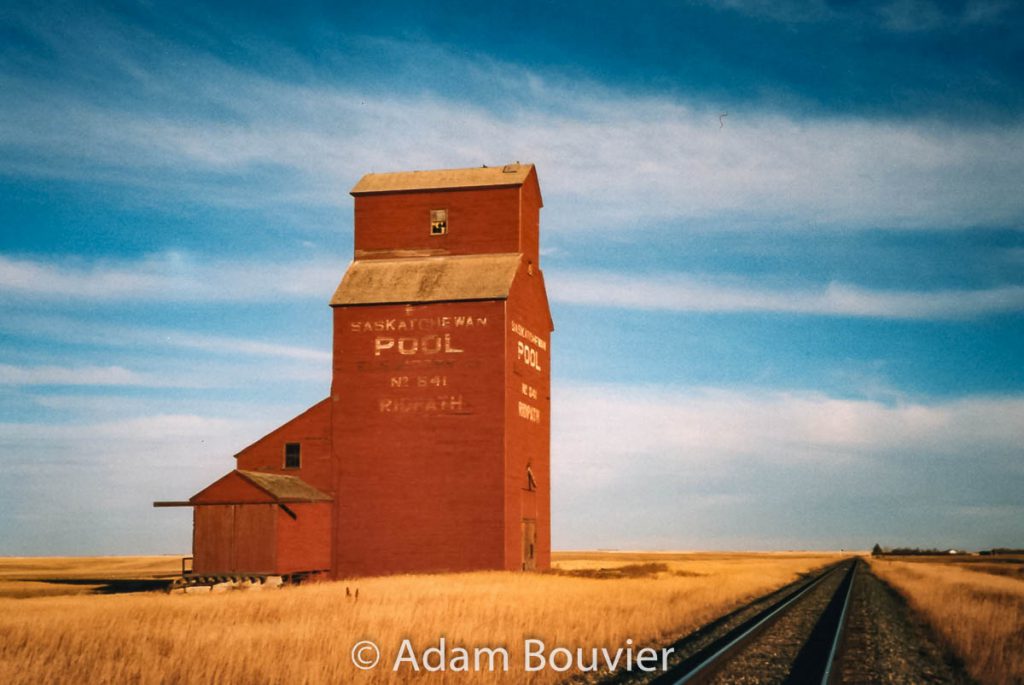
(826, 677)
(813, 663)
(703, 664)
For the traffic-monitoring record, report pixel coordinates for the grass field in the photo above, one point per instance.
(305, 634)
(976, 604)
(22, 577)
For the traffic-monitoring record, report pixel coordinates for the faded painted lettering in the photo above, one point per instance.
(418, 381)
(407, 346)
(527, 355)
(528, 335)
(529, 412)
(420, 324)
(409, 405)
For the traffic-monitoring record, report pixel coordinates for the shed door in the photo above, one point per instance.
(529, 528)
(234, 538)
(254, 539)
(213, 544)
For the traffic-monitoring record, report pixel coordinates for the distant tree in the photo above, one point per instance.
(876, 551)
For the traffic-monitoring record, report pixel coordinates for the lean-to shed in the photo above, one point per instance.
(249, 522)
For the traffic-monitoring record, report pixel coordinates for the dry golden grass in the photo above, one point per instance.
(979, 615)
(999, 564)
(22, 577)
(305, 634)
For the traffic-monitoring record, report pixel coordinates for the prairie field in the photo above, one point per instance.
(976, 607)
(306, 634)
(22, 577)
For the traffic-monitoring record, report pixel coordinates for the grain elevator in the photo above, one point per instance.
(432, 452)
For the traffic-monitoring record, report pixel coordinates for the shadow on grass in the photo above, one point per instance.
(109, 586)
(628, 571)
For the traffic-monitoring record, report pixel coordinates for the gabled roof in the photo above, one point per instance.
(427, 279)
(285, 488)
(443, 179)
(319, 413)
(254, 487)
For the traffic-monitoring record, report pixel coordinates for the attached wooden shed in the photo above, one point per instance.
(260, 523)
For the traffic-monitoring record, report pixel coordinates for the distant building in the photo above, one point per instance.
(432, 451)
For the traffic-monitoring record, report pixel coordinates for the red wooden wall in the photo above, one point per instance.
(239, 528)
(312, 430)
(304, 543)
(419, 441)
(234, 538)
(528, 415)
(480, 221)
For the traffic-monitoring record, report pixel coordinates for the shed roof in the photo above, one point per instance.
(443, 179)
(427, 279)
(284, 488)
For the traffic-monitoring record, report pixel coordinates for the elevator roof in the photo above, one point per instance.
(427, 279)
(443, 179)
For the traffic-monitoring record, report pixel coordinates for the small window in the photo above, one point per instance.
(438, 221)
(531, 482)
(292, 455)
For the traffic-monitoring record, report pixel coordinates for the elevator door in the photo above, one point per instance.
(529, 527)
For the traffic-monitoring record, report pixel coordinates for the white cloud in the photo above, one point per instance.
(709, 427)
(652, 465)
(175, 277)
(81, 375)
(632, 466)
(229, 345)
(912, 16)
(900, 16)
(685, 293)
(105, 476)
(78, 330)
(169, 276)
(608, 160)
(129, 433)
(182, 373)
(138, 430)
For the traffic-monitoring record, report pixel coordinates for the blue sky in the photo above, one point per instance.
(783, 244)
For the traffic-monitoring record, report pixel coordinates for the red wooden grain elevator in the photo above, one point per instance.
(432, 452)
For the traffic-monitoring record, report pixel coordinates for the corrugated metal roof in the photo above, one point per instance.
(443, 179)
(427, 279)
(285, 488)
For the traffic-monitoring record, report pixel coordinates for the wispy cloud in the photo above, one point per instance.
(900, 16)
(713, 427)
(609, 160)
(673, 467)
(136, 431)
(106, 475)
(84, 331)
(169, 276)
(783, 11)
(78, 375)
(179, 278)
(235, 346)
(912, 16)
(714, 460)
(683, 293)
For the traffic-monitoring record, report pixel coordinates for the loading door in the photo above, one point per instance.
(529, 528)
(234, 538)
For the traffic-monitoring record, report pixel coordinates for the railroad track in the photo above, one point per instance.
(792, 635)
(815, 659)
